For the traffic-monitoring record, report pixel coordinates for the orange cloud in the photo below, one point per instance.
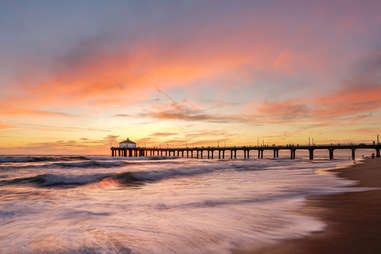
(5, 125)
(342, 104)
(82, 146)
(186, 137)
(357, 94)
(349, 101)
(123, 76)
(286, 109)
(367, 131)
(9, 111)
(94, 75)
(186, 111)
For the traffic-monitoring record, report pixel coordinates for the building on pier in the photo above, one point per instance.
(127, 144)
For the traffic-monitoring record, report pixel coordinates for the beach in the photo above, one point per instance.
(353, 220)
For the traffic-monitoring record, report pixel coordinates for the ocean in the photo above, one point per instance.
(100, 204)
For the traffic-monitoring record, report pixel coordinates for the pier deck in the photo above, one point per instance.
(219, 152)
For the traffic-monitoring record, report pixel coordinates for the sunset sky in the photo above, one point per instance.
(79, 76)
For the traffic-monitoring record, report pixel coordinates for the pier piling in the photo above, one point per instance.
(292, 154)
(311, 153)
(331, 153)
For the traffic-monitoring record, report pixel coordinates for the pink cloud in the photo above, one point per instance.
(342, 104)
(94, 76)
(355, 94)
(349, 101)
(285, 109)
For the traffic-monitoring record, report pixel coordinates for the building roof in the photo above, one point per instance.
(128, 141)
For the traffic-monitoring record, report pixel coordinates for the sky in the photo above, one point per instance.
(77, 77)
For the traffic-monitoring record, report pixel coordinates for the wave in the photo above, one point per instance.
(88, 164)
(55, 180)
(124, 178)
(15, 159)
(137, 175)
(80, 164)
(50, 180)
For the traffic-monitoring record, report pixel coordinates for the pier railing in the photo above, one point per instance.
(212, 152)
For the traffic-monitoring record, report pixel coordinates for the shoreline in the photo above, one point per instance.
(353, 219)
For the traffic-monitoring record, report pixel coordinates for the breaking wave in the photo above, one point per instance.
(50, 180)
(77, 164)
(15, 159)
(23, 159)
(124, 178)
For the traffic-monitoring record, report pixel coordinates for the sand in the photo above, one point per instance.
(353, 219)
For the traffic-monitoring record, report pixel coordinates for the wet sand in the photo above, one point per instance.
(353, 219)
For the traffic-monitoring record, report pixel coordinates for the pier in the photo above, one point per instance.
(222, 153)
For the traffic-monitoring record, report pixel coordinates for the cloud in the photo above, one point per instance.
(110, 140)
(147, 141)
(81, 146)
(56, 128)
(186, 137)
(359, 94)
(125, 67)
(233, 52)
(182, 142)
(195, 116)
(367, 131)
(9, 111)
(5, 125)
(286, 110)
(163, 134)
(96, 74)
(349, 100)
(123, 115)
(206, 133)
(186, 111)
(345, 102)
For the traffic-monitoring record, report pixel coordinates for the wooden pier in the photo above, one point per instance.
(220, 152)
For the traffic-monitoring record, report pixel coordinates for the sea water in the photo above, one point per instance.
(99, 204)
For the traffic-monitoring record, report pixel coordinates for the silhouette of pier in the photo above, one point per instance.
(218, 152)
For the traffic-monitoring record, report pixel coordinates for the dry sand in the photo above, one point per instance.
(353, 219)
